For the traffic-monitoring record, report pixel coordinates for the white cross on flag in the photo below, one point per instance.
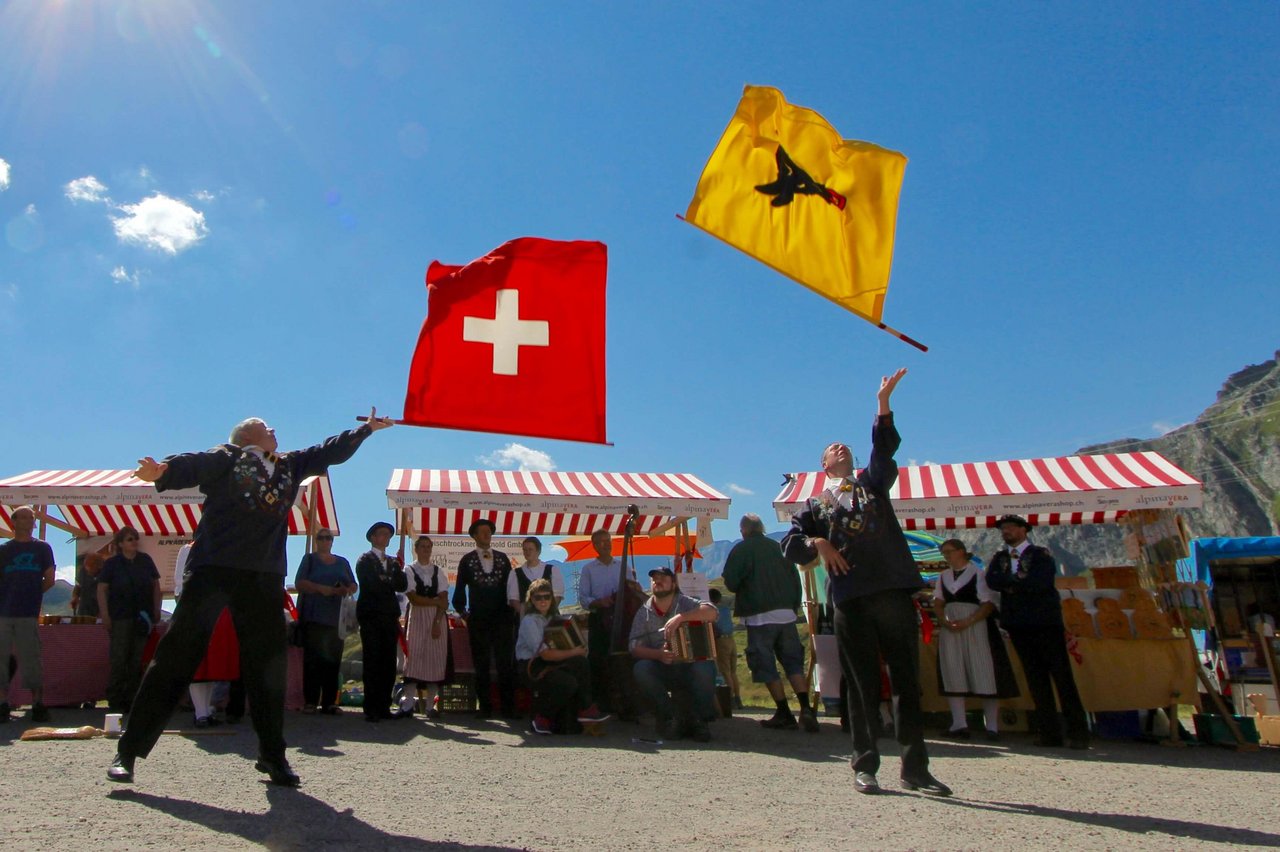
(524, 323)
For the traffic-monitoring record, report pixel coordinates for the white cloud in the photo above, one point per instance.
(120, 275)
(519, 456)
(202, 195)
(4, 175)
(87, 188)
(160, 223)
(738, 489)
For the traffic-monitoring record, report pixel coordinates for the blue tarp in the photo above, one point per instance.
(1205, 551)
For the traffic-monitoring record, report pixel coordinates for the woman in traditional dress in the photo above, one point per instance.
(972, 660)
(559, 678)
(427, 633)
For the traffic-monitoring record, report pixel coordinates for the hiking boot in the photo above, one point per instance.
(809, 721)
(780, 722)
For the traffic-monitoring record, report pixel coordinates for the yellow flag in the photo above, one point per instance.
(785, 188)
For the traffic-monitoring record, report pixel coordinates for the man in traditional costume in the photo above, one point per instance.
(852, 527)
(237, 561)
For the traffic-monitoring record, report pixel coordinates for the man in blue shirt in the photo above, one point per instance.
(26, 573)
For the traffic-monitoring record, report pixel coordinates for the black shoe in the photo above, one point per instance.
(1049, 742)
(699, 732)
(4, 711)
(202, 721)
(927, 784)
(865, 782)
(279, 771)
(330, 710)
(809, 721)
(121, 770)
(957, 734)
(372, 717)
(779, 722)
(39, 713)
(993, 736)
(1078, 743)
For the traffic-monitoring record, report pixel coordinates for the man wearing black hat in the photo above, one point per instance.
(682, 694)
(1031, 611)
(237, 561)
(873, 577)
(380, 575)
(480, 597)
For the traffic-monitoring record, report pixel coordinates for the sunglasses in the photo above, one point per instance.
(542, 597)
(130, 538)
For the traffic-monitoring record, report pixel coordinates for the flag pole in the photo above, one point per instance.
(904, 338)
(897, 334)
(364, 418)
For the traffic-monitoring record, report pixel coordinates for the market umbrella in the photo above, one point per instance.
(579, 547)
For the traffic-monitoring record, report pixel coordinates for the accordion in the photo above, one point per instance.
(563, 634)
(694, 641)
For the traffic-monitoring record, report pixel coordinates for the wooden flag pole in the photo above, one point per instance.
(903, 337)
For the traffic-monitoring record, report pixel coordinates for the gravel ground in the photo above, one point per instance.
(489, 785)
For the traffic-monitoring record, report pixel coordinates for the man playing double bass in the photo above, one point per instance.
(598, 594)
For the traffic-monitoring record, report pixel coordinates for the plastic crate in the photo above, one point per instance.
(1213, 729)
(459, 696)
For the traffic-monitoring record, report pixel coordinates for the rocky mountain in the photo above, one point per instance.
(1233, 447)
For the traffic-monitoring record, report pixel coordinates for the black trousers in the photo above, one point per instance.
(559, 688)
(1043, 651)
(868, 628)
(256, 601)
(494, 640)
(598, 660)
(321, 661)
(379, 639)
(126, 662)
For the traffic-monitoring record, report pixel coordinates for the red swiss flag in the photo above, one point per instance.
(523, 324)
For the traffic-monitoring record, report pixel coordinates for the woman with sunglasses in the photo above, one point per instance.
(560, 679)
(323, 579)
(129, 604)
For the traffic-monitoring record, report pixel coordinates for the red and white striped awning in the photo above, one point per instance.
(446, 502)
(99, 502)
(1092, 489)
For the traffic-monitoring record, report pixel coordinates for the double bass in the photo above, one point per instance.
(617, 619)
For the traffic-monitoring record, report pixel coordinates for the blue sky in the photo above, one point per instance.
(212, 210)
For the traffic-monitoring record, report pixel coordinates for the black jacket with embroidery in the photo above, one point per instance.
(1028, 596)
(869, 537)
(244, 519)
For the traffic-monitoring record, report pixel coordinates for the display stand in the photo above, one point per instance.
(1158, 539)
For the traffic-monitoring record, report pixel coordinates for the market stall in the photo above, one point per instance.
(1087, 489)
(92, 505)
(447, 502)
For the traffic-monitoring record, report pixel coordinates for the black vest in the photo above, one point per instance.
(523, 583)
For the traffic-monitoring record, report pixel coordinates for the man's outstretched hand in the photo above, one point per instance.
(887, 384)
(376, 422)
(150, 470)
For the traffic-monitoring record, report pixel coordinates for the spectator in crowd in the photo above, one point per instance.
(323, 581)
(381, 576)
(481, 598)
(559, 678)
(427, 634)
(26, 573)
(129, 600)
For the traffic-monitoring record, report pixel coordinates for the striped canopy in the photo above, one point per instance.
(1091, 489)
(446, 502)
(100, 502)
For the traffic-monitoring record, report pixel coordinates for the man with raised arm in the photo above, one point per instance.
(852, 527)
(237, 561)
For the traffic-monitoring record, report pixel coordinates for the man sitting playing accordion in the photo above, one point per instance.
(670, 670)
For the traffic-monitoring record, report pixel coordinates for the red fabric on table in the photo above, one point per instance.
(76, 661)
